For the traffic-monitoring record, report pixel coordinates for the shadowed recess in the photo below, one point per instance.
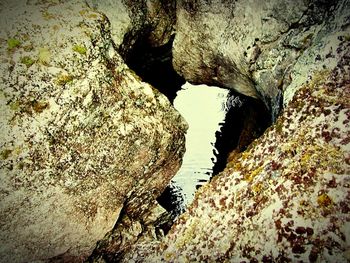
(154, 65)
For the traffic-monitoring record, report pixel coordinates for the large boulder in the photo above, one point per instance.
(286, 198)
(82, 137)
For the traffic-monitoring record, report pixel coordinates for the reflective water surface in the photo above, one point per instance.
(203, 107)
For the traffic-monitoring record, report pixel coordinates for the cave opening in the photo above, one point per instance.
(244, 118)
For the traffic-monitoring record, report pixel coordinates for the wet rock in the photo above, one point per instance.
(83, 140)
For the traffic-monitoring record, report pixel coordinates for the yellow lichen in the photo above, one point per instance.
(279, 126)
(88, 14)
(47, 15)
(318, 78)
(305, 159)
(79, 49)
(257, 188)
(83, 12)
(235, 164)
(14, 105)
(28, 61)
(189, 234)
(168, 256)
(326, 157)
(17, 150)
(92, 16)
(250, 176)
(63, 79)
(44, 56)
(5, 154)
(245, 155)
(324, 201)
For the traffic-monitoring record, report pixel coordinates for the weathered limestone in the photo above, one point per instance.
(82, 138)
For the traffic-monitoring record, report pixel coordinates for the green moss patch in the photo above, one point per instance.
(13, 43)
(80, 49)
(28, 61)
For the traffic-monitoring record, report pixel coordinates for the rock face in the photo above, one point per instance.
(286, 198)
(82, 138)
(151, 21)
(251, 47)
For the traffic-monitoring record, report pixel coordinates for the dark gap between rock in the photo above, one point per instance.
(242, 124)
(154, 66)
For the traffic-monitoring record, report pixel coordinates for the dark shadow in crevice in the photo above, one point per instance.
(171, 200)
(246, 119)
(154, 66)
(243, 123)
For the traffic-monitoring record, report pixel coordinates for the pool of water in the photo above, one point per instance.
(204, 109)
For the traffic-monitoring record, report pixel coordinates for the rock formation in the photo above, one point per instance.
(83, 140)
(286, 198)
(255, 48)
(86, 146)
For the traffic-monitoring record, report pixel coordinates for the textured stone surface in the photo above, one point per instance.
(256, 48)
(152, 20)
(286, 198)
(152, 23)
(82, 138)
(283, 200)
(205, 52)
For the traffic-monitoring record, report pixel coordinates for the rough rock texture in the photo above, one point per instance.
(286, 198)
(143, 32)
(82, 138)
(151, 21)
(251, 47)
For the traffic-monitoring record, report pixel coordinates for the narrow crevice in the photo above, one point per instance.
(246, 119)
(243, 123)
